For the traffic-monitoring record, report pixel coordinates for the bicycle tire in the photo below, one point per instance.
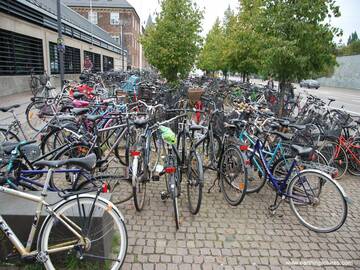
(256, 175)
(354, 165)
(36, 106)
(336, 157)
(8, 135)
(112, 226)
(232, 169)
(299, 190)
(138, 184)
(117, 185)
(196, 184)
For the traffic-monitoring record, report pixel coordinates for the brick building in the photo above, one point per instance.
(119, 19)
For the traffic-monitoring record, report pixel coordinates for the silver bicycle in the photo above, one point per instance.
(81, 228)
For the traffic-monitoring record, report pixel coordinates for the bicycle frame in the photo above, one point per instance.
(347, 145)
(25, 251)
(279, 185)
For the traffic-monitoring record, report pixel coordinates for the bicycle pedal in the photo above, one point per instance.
(155, 178)
(41, 257)
(164, 195)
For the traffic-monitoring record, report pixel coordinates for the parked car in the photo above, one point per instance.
(310, 84)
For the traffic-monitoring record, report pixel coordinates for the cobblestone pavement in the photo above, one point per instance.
(224, 237)
(243, 237)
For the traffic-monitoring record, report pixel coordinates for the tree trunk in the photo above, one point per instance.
(284, 88)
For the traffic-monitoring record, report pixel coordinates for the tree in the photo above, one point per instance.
(352, 38)
(172, 43)
(243, 43)
(298, 42)
(212, 53)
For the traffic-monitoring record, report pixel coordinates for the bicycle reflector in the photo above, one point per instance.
(170, 170)
(105, 188)
(244, 148)
(135, 153)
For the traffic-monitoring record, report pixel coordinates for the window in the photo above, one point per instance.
(108, 63)
(95, 59)
(117, 39)
(20, 53)
(93, 17)
(72, 63)
(114, 18)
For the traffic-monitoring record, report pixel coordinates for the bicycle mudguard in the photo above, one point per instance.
(326, 176)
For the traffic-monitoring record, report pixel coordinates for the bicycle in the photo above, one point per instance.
(301, 192)
(71, 228)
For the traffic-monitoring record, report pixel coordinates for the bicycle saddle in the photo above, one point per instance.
(303, 152)
(7, 147)
(142, 122)
(8, 108)
(78, 95)
(196, 127)
(284, 136)
(299, 127)
(93, 117)
(88, 163)
(80, 111)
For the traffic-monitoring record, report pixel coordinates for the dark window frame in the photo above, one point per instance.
(19, 54)
(95, 59)
(108, 63)
(72, 61)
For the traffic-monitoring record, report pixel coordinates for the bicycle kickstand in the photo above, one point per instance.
(275, 205)
(217, 179)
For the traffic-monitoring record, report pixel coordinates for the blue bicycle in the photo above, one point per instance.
(317, 200)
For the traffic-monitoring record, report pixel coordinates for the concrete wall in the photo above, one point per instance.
(346, 75)
(17, 84)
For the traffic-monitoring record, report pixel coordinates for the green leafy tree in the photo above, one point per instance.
(298, 42)
(212, 53)
(173, 42)
(352, 38)
(243, 43)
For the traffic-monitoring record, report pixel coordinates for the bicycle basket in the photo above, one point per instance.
(174, 124)
(218, 124)
(31, 151)
(332, 133)
(194, 94)
(43, 79)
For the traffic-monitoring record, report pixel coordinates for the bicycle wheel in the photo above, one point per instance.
(138, 184)
(8, 135)
(336, 157)
(154, 146)
(256, 175)
(317, 201)
(38, 114)
(233, 175)
(210, 150)
(120, 188)
(183, 145)
(354, 157)
(173, 189)
(101, 227)
(77, 150)
(195, 182)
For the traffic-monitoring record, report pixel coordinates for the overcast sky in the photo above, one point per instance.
(349, 21)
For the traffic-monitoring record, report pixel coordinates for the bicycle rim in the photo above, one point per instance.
(233, 176)
(195, 180)
(104, 233)
(317, 201)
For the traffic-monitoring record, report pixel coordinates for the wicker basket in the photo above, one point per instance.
(121, 97)
(194, 94)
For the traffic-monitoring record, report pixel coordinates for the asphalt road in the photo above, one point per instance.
(348, 98)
